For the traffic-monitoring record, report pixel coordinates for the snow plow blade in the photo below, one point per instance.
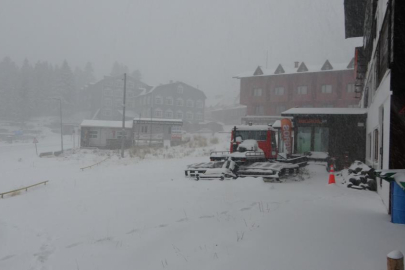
(200, 168)
(272, 170)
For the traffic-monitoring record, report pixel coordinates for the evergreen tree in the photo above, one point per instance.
(118, 69)
(8, 86)
(24, 94)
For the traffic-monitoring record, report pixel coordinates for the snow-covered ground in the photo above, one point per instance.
(137, 213)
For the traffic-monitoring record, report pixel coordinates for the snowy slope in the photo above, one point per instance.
(144, 214)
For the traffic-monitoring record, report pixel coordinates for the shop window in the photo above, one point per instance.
(119, 134)
(304, 139)
(321, 139)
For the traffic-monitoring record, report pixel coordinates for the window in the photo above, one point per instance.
(158, 100)
(179, 115)
(280, 109)
(327, 89)
(369, 143)
(148, 100)
(169, 114)
(118, 102)
(252, 135)
(376, 145)
(180, 102)
(190, 103)
(158, 113)
(199, 116)
(200, 104)
(328, 106)
(119, 134)
(259, 110)
(189, 116)
(93, 134)
(144, 129)
(279, 91)
(169, 101)
(180, 89)
(302, 90)
(350, 88)
(257, 92)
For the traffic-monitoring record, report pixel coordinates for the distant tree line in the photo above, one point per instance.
(29, 90)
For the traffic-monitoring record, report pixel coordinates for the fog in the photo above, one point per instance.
(203, 43)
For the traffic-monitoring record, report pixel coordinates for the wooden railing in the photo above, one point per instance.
(87, 167)
(26, 188)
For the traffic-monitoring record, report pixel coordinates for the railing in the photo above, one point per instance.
(26, 188)
(87, 167)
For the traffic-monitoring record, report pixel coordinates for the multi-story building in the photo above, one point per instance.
(175, 100)
(380, 73)
(106, 97)
(270, 92)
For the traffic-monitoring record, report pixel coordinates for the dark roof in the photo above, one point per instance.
(354, 17)
(302, 68)
(279, 69)
(327, 66)
(258, 71)
(173, 84)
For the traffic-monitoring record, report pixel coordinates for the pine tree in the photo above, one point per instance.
(8, 86)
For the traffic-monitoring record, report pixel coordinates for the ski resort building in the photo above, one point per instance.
(269, 92)
(175, 100)
(380, 73)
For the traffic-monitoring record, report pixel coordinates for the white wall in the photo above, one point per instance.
(381, 99)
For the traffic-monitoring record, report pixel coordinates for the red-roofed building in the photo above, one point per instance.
(270, 92)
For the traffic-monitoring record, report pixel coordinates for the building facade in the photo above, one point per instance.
(270, 92)
(105, 98)
(175, 100)
(380, 72)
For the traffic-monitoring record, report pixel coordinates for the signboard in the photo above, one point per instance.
(312, 121)
(176, 133)
(286, 134)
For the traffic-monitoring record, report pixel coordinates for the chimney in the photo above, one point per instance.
(296, 64)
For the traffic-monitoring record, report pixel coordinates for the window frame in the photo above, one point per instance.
(325, 89)
(300, 88)
(278, 92)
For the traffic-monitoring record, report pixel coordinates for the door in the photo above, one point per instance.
(304, 139)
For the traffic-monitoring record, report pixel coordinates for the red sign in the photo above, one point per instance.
(35, 140)
(286, 134)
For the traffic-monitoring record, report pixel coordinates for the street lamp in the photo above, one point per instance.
(61, 123)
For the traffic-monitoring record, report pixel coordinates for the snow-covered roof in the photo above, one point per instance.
(254, 127)
(159, 120)
(105, 123)
(336, 111)
(289, 69)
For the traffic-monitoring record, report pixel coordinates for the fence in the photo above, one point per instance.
(88, 167)
(26, 188)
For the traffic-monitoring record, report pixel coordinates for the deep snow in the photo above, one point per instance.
(144, 214)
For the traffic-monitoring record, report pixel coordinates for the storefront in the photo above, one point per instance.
(337, 131)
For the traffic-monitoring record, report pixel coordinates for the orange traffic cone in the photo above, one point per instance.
(331, 175)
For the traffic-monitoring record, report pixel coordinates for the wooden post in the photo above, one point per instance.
(395, 260)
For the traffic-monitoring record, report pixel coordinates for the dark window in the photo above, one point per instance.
(258, 135)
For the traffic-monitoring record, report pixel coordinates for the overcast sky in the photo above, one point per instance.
(200, 42)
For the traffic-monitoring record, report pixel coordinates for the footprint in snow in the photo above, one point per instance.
(207, 216)
(163, 225)
(245, 209)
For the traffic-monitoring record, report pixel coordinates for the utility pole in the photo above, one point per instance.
(61, 123)
(151, 115)
(123, 117)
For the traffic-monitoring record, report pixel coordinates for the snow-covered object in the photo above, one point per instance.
(359, 166)
(255, 127)
(248, 145)
(400, 179)
(318, 111)
(395, 254)
(105, 123)
(318, 155)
